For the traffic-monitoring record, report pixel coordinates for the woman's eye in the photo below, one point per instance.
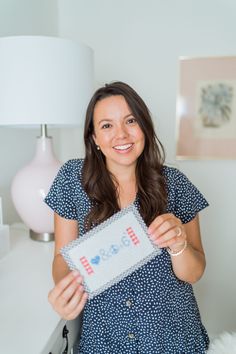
(131, 120)
(105, 126)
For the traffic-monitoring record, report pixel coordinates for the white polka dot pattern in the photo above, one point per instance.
(150, 311)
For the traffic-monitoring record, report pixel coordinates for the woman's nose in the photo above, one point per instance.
(121, 131)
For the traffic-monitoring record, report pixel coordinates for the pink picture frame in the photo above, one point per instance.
(206, 108)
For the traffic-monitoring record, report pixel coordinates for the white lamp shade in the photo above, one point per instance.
(44, 80)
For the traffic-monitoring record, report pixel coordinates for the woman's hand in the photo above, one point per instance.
(167, 230)
(68, 297)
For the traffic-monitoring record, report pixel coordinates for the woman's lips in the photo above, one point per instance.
(123, 148)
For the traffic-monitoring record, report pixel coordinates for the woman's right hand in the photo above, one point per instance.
(68, 297)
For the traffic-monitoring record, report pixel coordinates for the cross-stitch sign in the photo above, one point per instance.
(111, 251)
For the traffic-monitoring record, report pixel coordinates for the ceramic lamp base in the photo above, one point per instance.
(31, 185)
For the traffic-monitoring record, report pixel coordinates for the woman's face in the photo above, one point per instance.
(117, 133)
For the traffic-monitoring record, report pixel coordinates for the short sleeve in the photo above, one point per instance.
(60, 196)
(186, 199)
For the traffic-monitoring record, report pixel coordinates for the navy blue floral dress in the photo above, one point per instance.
(150, 311)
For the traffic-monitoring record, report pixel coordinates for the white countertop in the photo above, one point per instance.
(27, 320)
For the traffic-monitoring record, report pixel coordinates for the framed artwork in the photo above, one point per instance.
(206, 108)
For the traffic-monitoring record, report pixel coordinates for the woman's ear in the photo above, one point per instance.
(94, 139)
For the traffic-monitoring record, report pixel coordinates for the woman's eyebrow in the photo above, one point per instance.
(105, 120)
(110, 120)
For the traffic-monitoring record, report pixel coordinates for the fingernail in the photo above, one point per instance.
(79, 279)
(75, 273)
(81, 288)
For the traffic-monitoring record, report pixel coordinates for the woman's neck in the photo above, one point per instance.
(123, 175)
(124, 179)
(126, 188)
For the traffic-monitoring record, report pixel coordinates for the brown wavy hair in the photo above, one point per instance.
(98, 181)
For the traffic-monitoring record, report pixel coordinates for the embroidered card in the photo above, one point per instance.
(111, 251)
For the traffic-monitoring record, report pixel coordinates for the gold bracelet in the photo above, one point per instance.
(179, 252)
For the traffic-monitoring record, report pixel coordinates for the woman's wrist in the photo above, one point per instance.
(176, 251)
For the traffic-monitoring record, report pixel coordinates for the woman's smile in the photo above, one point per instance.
(123, 148)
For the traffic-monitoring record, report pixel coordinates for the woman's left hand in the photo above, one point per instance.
(167, 230)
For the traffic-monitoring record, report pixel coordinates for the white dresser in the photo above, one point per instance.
(28, 325)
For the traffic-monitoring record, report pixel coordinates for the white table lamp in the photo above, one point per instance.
(43, 80)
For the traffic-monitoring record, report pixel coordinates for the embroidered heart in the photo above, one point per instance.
(95, 260)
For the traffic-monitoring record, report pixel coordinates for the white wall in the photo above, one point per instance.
(24, 17)
(28, 17)
(139, 42)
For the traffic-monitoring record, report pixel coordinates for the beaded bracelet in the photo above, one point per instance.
(179, 252)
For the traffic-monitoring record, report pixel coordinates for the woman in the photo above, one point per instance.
(153, 310)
